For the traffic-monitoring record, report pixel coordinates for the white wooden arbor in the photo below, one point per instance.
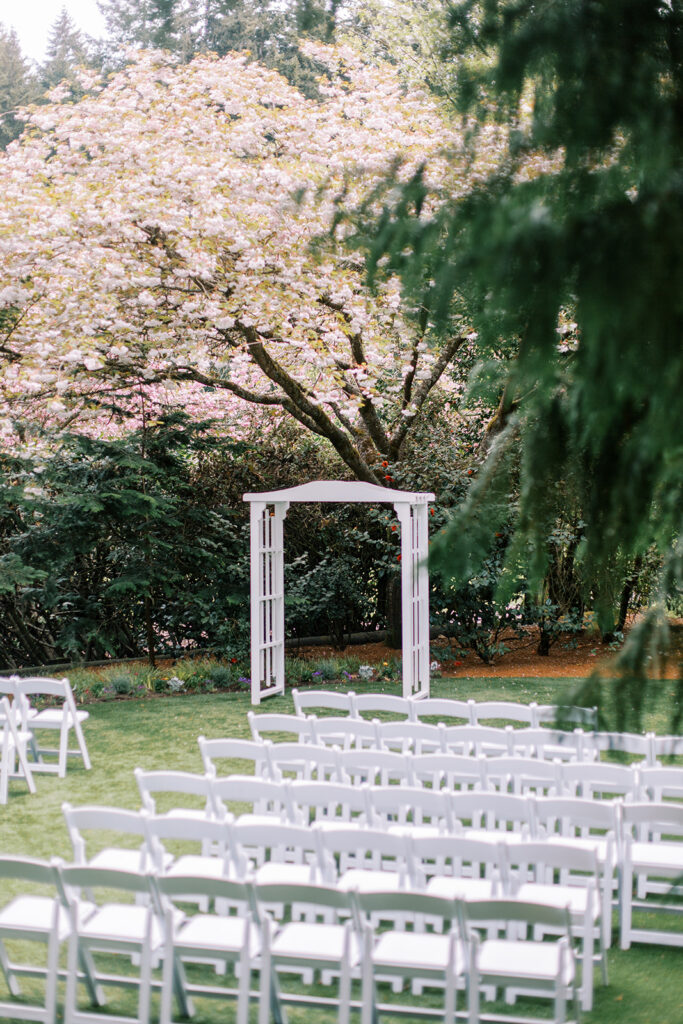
(268, 510)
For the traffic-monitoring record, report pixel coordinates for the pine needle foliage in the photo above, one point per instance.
(581, 264)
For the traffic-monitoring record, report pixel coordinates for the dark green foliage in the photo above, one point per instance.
(581, 267)
(18, 86)
(66, 50)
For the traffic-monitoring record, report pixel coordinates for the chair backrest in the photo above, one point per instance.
(415, 737)
(162, 831)
(546, 863)
(522, 775)
(319, 899)
(417, 806)
(281, 728)
(345, 733)
(28, 869)
(92, 818)
(659, 783)
(303, 761)
(444, 708)
(365, 849)
(490, 811)
(331, 700)
(182, 887)
(151, 783)
(500, 913)
(83, 876)
(594, 780)
(281, 843)
(448, 771)
(31, 686)
(577, 817)
(502, 712)
(653, 822)
(266, 796)
(456, 856)
(553, 744)
(370, 703)
(666, 746)
(376, 767)
(8, 686)
(336, 802)
(565, 715)
(479, 740)
(629, 743)
(408, 906)
(233, 751)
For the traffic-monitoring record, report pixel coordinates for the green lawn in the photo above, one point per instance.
(646, 983)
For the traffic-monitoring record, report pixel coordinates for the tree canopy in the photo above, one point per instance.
(580, 265)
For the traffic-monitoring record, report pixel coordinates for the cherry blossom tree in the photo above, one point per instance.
(173, 228)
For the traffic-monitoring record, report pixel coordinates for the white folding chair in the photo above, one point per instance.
(444, 708)
(328, 700)
(312, 943)
(564, 876)
(631, 744)
(411, 952)
(659, 783)
(173, 783)
(132, 930)
(104, 822)
(447, 771)
(502, 711)
(172, 842)
(478, 740)
(510, 958)
(288, 853)
(523, 775)
(419, 810)
(494, 815)
(345, 733)
(237, 753)
(375, 767)
(456, 867)
(382, 703)
(327, 804)
(554, 744)
(302, 761)
(652, 857)
(411, 737)
(268, 799)
(279, 728)
(14, 742)
(60, 719)
(217, 937)
(597, 780)
(31, 916)
(565, 714)
(365, 859)
(665, 746)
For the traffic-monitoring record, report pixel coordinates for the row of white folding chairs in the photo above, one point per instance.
(460, 954)
(441, 770)
(422, 737)
(61, 716)
(468, 711)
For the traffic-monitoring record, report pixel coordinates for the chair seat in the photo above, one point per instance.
(493, 835)
(209, 931)
(574, 897)
(666, 857)
(416, 830)
(370, 881)
(450, 887)
(120, 922)
(33, 915)
(301, 940)
(424, 951)
(122, 859)
(523, 961)
(198, 865)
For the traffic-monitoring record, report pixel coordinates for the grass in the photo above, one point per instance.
(646, 982)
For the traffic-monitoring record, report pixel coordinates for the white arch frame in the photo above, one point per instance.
(267, 515)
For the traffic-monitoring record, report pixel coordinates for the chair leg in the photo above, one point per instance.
(265, 984)
(71, 994)
(63, 746)
(368, 1012)
(145, 990)
(625, 908)
(345, 992)
(52, 969)
(10, 976)
(167, 982)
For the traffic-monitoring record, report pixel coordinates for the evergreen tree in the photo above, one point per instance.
(66, 50)
(580, 265)
(18, 85)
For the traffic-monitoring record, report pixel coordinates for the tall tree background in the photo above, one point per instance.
(581, 269)
(18, 85)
